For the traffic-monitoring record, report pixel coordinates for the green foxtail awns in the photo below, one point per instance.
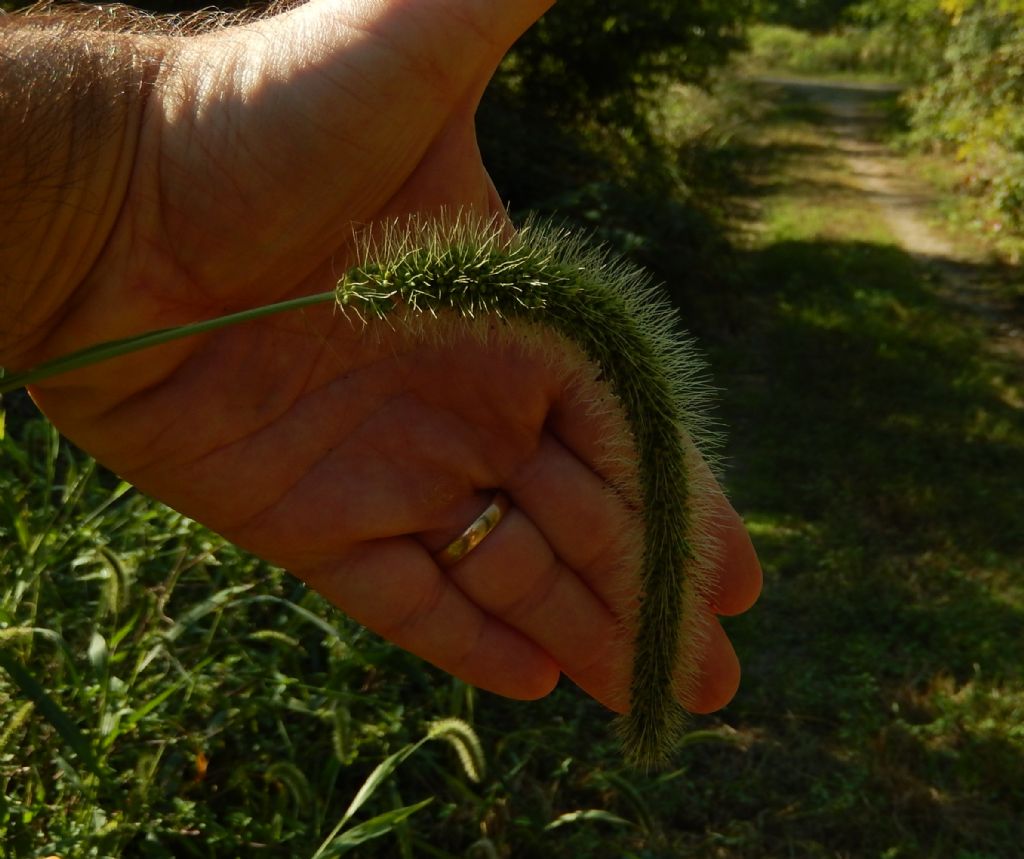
(543, 281)
(602, 325)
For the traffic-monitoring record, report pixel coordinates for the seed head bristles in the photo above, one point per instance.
(547, 279)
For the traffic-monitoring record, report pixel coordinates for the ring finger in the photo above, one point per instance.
(514, 575)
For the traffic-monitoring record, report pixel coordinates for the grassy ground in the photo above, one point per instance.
(966, 212)
(879, 445)
(164, 695)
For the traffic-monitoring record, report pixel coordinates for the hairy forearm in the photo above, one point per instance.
(73, 89)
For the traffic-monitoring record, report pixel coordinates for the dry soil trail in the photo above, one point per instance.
(906, 206)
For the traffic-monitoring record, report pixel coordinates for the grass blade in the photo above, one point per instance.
(586, 815)
(218, 600)
(375, 780)
(52, 711)
(305, 614)
(116, 348)
(382, 824)
(140, 713)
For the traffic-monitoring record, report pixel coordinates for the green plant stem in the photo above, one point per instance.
(116, 348)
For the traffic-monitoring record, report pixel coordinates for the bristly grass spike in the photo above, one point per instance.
(424, 276)
(545, 278)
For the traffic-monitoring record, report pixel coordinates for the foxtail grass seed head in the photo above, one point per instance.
(436, 277)
(545, 278)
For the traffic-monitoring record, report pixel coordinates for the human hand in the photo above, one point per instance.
(350, 459)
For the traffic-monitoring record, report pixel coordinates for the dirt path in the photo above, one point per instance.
(905, 204)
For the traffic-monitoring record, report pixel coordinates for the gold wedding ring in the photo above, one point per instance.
(474, 535)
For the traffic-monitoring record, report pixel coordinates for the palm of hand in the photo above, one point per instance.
(343, 458)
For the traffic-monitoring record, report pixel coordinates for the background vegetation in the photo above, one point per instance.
(164, 695)
(964, 62)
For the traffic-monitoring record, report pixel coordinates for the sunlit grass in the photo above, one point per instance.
(164, 694)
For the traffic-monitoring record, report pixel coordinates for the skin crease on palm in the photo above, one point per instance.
(349, 459)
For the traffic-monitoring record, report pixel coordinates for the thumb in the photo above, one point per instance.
(501, 23)
(458, 41)
(496, 22)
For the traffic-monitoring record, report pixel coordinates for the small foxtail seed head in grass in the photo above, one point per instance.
(439, 279)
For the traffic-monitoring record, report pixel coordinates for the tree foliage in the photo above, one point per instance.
(567, 126)
(965, 60)
(971, 94)
(587, 53)
(974, 100)
(818, 15)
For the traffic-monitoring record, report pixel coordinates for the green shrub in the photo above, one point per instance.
(596, 57)
(852, 50)
(973, 106)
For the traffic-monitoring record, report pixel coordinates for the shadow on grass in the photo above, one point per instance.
(879, 458)
(876, 111)
(874, 398)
